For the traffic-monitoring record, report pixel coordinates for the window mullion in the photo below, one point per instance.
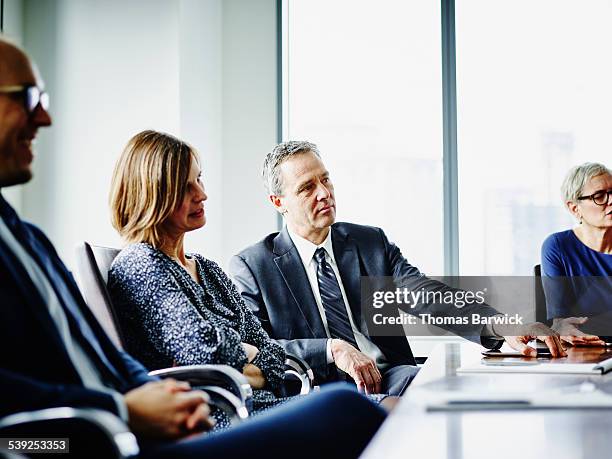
(449, 129)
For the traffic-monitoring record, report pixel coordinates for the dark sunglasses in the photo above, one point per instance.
(32, 96)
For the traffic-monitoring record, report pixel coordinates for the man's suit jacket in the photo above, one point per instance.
(273, 282)
(35, 369)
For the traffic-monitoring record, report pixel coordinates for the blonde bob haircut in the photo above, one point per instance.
(149, 183)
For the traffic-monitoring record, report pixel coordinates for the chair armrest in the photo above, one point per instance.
(227, 402)
(4, 454)
(86, 428)
(212, 375)
(296, 368)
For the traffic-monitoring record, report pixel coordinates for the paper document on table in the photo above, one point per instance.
(583, 396)
(507, 365)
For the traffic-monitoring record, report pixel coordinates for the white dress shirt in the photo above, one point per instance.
(306, 250)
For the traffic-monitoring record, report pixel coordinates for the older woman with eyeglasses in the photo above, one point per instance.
(577, 263)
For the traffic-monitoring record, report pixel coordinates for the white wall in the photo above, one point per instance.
(201, 89)
(249, 118)
(13, 20)
(203, 70)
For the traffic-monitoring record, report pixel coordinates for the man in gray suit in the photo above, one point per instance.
(304, 282)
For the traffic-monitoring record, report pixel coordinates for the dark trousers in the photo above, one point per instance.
(336, 423)
(396, 379)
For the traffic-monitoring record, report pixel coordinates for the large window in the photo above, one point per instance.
(534, 98)
(364, 80)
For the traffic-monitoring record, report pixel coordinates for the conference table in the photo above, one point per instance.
(419, 428)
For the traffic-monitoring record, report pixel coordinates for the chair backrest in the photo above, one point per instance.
(93, 263)
(540, 297)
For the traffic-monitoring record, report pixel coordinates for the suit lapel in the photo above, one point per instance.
(32, 298)
(346, 254)
(58, 278)
(59, 282)
(292, 270)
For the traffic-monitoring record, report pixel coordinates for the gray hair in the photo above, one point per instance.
(577, 178)
(271, 166)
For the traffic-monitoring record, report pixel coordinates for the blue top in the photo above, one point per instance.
(563, 254)
(570, 285)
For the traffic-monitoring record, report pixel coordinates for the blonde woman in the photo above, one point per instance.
(179, 308)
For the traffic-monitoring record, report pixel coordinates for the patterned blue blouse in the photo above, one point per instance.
(171, 319)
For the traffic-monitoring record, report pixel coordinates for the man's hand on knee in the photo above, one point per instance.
(359, 366)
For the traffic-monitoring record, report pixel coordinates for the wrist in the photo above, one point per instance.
(334, 348)
(499, 330)
(338, 346)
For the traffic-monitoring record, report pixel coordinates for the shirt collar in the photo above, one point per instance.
(306, 249)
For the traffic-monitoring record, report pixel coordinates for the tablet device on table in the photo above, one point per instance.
(507, 351)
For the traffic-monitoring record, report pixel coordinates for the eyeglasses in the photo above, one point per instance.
(31, 94)
(600, 197)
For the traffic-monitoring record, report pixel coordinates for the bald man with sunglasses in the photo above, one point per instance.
(23, 109)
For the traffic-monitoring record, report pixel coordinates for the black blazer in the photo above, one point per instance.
(273, 282)
(35, 370)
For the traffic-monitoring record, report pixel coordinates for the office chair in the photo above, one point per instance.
(540, 297)
(93, 265)
(228, 388)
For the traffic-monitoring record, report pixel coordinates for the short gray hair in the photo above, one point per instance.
(271, 166)
(577, 178)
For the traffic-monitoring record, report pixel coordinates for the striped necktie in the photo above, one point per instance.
(333, 303)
